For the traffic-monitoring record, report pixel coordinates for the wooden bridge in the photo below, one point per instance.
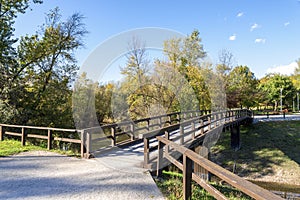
(181, 138)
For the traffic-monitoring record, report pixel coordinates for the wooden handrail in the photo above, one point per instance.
(189, 156)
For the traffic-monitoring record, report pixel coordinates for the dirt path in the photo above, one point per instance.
(46, 175)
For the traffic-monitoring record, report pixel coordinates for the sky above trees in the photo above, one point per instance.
(263, 35)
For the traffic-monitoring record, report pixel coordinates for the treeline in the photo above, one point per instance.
(38, 71)
(185, 80)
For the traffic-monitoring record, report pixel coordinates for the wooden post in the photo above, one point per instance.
(82, 144)
(187, 178)
(193, 129)
(198, 170)
(209, 122)
(167, 136)
(146, 152)
(1, 134)
(88, 144)
(148, 125)
(235, 137)
(181, 134)
(202, 128)
(49, 139)
(23, 138)
(169, 118)
(113, 136)
(160, 159)
(132, 137)
(160, 122)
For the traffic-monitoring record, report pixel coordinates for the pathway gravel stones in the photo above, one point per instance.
(46, 175)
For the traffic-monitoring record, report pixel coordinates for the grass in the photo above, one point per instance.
(269, 152)
(171, 186)
(10, 147)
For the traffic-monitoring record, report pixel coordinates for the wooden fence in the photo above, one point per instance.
(44, 133)
(191, 158)
(190, 129)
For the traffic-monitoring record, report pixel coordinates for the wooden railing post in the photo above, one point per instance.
(160, 159)
(146, 152)
(202, 128)
(82, 144)
(181, 129)
(209, 123)
(1, 134)
(160, 122)
(132, 137)
(49, 139)
(167, 136)
(23, 138)
(148, 125)
(113, 136)
(88, 144)
(193, 130)
(187, 177)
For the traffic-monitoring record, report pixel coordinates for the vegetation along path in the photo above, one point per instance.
(47, 175)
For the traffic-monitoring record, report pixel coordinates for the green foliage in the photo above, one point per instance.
(36, 78)
(11, 147)
(171, 186)
(241, 87)
(271, 86)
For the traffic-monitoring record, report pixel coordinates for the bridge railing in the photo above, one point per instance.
(128, 131)
(42, 133)
(189, 130)
(191, 158)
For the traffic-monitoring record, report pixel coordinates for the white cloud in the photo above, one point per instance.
(240, 14)
(260, 40)
(286, 23)
(233, 37)
(254, 26)
(283, 69)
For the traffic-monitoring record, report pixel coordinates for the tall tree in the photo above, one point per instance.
(10, 87)
(271, 86)
(241, 87)
(49, 66)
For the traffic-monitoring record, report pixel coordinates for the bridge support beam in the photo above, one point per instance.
(235, 137)
(200, 171)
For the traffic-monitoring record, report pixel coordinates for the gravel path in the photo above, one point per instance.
(46, 175)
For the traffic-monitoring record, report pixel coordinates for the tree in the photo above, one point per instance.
(271, 86)
(48, 65)
(296, 76)
(10, 86)
(241, 87)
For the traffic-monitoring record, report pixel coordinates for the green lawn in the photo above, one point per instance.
(269, 151)
(171, 186)
(11, 147)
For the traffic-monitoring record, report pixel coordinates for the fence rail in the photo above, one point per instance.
(127, 131)
(43, 133)
(191, 158)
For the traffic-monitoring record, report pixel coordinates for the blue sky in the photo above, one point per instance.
(262, 34)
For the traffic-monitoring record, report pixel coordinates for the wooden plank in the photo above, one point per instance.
(146, 151)
(160, 159)
(187, 177)
(23, 137)
(37, 136)
(13, 133)
(49, 139)
(209, 188)
(67, 140)
(1, 134)
(241, 184)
